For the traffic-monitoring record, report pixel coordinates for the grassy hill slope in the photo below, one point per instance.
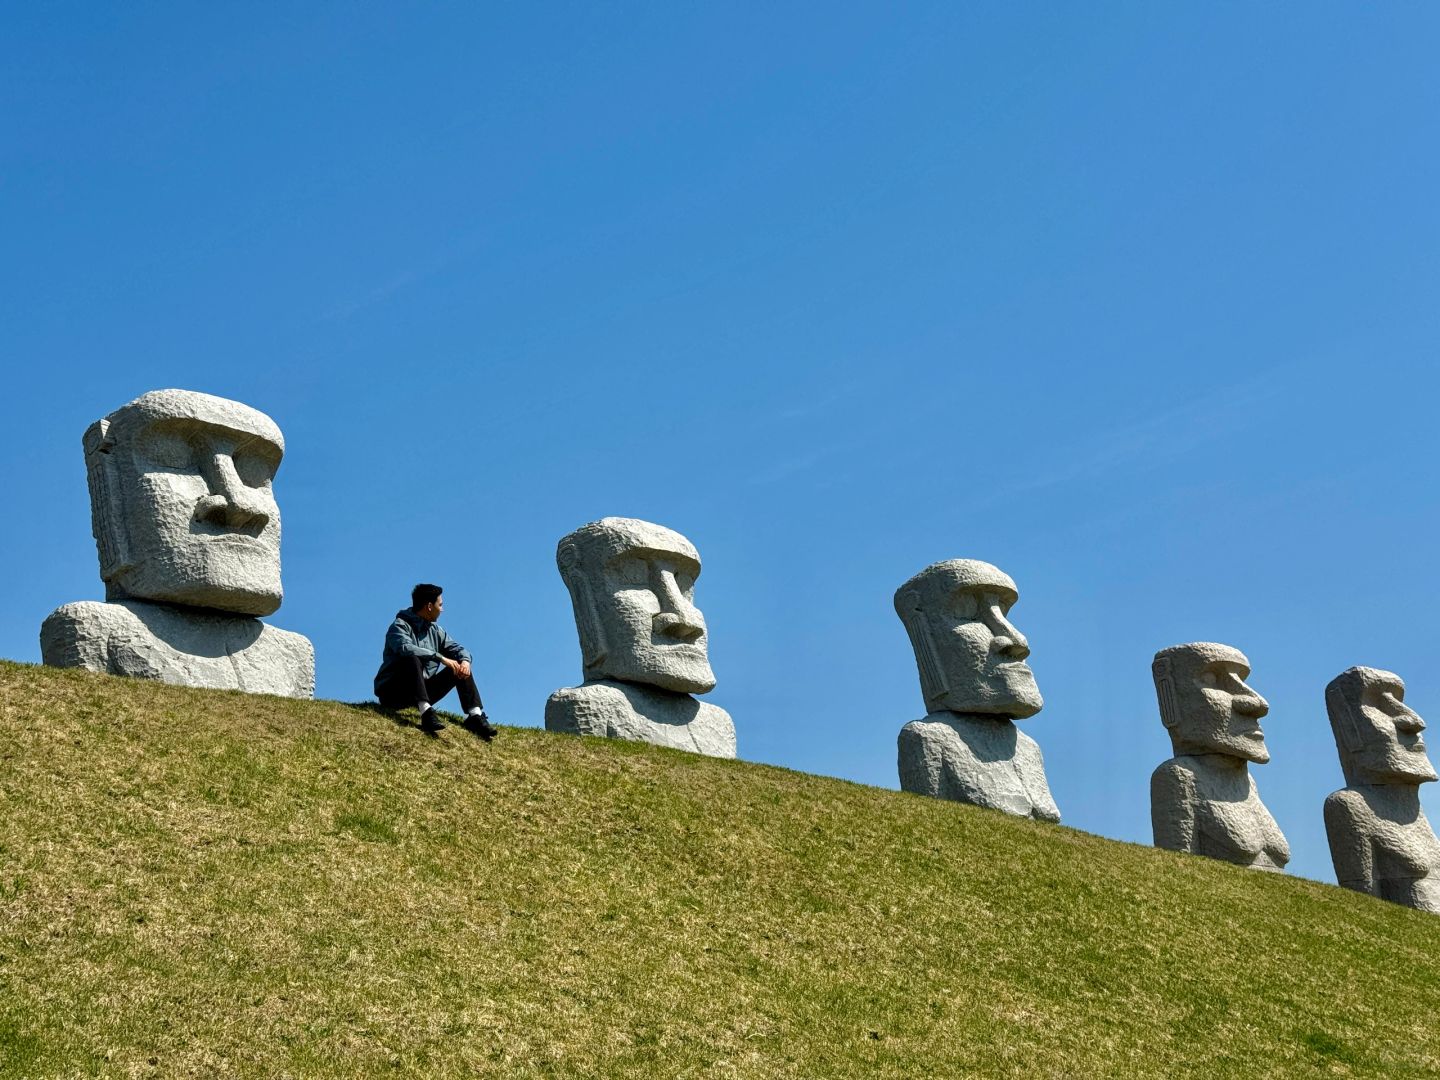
(202, 883)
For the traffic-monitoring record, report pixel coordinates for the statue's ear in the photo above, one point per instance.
(1164, 675)
(593, 649)
(933, 685)
(107, 514)
(1343, 708)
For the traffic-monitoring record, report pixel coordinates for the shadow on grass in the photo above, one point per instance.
(409, 717)
(399, 717)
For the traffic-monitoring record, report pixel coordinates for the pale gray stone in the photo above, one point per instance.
(620, 710)
(180, 646)
(1204, 800)
(643, 642)
(187, 528)
(985, 760)
(1380, 840)
(976, 683)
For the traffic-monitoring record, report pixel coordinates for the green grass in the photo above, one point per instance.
(209, 884)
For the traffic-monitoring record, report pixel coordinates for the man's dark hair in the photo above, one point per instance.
(421, 595)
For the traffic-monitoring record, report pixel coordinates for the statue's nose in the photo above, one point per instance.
(678, 618)
(1250, 704)
(1008, 641)
(1408, 722)
(230, 502)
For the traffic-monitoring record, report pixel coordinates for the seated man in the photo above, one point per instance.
(422, 664)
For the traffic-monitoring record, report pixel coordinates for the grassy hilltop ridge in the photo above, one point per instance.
(203, 883)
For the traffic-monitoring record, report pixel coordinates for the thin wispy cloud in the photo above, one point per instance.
(1155, 438)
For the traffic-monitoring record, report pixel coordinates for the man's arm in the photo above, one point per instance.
(451, 648)
(400, 640)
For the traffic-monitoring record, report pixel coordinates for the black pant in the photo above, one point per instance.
(408, 686)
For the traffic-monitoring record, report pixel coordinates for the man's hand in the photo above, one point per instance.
(459, 668)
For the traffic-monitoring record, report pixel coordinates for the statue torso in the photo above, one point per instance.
(620, 710)
(983, 760)
(179, 646)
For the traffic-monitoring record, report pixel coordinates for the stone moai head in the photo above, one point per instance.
(1205, 703)
(971, 657)
(181, 503)
(633, 587)
(1376, 733)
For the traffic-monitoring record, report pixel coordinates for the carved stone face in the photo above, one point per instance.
(632, 584)
(182, 505)
(1377, 734)
(1205, 703)
(971, 657)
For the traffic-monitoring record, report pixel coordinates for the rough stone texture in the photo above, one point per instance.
(188, 533)
(180, 646)
(1380, 840)
(642, 639)
(984, 760)
(1204, 800)
(619, 710)
(976, 683)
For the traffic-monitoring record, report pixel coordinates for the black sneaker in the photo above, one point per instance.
(480, 725)
(430, 722)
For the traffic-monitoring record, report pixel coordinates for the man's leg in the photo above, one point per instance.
(439, 684)
(469, 695)
(475, 719)
(405, 686)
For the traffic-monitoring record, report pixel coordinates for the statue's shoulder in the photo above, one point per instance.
(287, 660)
(714, 715)
(289, 642)
(588, 709)
(84, 616)
(1346, 806)
(1172, 774)
(936, 725)
(714, 731)
(80, 634)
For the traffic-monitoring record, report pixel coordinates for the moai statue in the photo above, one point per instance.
(189, 540)
(642, 640)
(1379, 839)
(976, 685)
(1204, 800)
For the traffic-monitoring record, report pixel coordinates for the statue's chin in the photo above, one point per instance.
(671, 669)
(203, 595)
(1400, 771)
(1014, 698)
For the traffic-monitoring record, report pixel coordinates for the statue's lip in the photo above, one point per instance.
(234, 538)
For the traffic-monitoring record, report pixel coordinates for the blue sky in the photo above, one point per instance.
(1137, 302)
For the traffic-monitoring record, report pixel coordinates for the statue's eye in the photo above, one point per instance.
(631, 573)
(685, 583)
(1208, 679)
(254, 467)
(168, 450)
(965, 605)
